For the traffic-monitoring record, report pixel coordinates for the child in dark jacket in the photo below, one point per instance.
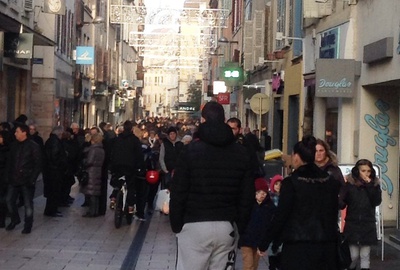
(274, 256)
(261, 215)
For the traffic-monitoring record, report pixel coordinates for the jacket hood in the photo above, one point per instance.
(275, 179)
(357, 182)
(311, 173)
(126, 134)
(219, 134)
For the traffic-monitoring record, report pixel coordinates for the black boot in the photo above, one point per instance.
(3, 213)
(26, 230)
(12, 225)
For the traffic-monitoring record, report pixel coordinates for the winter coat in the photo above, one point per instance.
(93, 164)
(126, 154)
(261, 216)
(56, 165)
(25, 163)
(212, 180)
(361, 199)
(171, 153)
(334, 170)
(307, 209)
(4, 154)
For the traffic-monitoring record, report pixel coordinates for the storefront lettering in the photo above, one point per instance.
(16, 52)
(338, 84)
(380, 123)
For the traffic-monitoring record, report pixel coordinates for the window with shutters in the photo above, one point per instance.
(106, 71)
(99, 64)
(258, 35)
(15, 5)
(281, 22)
(248, 45)
(58, 32)
(28, 5)
(63, 34)
(236, 15)
(248, 9)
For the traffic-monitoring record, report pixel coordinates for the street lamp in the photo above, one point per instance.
(224, 40)
(215, 53)
(280, 36)
(96, 20)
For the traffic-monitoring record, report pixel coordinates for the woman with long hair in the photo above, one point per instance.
(361, 194)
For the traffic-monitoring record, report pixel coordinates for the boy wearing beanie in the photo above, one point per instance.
(261, 215)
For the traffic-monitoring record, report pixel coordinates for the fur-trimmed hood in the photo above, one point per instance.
(358, 182)
(311, 173)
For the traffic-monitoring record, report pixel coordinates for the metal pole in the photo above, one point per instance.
(259, 126)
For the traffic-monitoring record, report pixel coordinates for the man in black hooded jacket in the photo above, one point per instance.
(212, 192)
(127, 159)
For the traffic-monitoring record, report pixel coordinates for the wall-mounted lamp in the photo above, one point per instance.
(261, 61)
(280, 36)
(97, 20)
(214, 53)
(225, 40)
(131, 61)
(349, 2)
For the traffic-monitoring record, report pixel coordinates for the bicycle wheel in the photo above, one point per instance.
(118, 213)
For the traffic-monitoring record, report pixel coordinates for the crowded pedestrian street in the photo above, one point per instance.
(72, 242)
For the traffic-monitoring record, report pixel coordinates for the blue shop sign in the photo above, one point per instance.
(85, 55)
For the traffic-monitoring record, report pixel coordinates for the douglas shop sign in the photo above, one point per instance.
(343, 83)
(335, 77)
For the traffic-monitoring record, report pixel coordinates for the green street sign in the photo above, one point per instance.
(232, 74)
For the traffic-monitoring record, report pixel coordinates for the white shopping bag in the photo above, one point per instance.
(162, 201)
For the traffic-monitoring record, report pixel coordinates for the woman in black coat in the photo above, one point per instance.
(327, 161)
(306, 217)
(361, 194)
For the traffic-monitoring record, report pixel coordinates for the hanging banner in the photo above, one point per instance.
(54, 7)
(18, 45)
(84, 55)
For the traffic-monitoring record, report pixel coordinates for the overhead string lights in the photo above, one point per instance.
(176, 33)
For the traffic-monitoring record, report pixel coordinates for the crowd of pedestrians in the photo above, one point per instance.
(220, 198)
(97, 151)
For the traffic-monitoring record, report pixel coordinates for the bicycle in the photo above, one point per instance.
(121, 208)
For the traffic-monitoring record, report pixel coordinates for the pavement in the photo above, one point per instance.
(72, 242)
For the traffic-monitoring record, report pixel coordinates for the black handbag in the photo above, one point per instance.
(343, 252)
(83, 176)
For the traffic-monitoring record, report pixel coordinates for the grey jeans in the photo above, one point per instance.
(361, 253)
(207, 245)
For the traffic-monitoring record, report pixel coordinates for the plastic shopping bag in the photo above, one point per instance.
(162, 201)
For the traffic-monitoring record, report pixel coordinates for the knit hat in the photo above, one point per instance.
(171, 129)
(275, 179)
(261, 184)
